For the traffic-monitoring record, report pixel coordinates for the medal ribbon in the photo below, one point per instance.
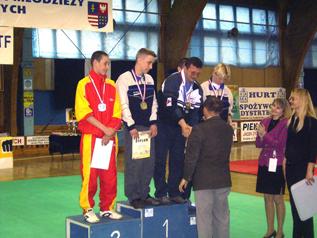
(138, 85)
(103, 90)
(185, 95)
(216, 90)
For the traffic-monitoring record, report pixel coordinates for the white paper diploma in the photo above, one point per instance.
(141, 147)
(101, 155)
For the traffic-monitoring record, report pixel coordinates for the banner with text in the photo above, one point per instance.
(6, 45)
(95, 15)
(254, 103)
(37, 140)
(248, 130)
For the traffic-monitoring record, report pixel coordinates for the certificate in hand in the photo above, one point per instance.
(305, 197)
(141, 147)
(101, 155)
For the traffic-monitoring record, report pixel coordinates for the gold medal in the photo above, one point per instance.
(188, 105)
(143, 105)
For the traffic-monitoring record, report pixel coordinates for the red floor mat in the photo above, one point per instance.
(244, 166)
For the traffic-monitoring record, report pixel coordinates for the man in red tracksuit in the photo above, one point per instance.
(97, 109)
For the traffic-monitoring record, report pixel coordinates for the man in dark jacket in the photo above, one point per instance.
(207, 166)
(180, 103)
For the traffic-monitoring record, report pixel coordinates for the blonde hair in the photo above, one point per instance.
(145, 51)
(283, 103)
(306, 109)
(223, 71)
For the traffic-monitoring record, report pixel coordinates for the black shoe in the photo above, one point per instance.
(271, 235)
(164, 200)
(178, 200)
(137, 204)
(151, 201)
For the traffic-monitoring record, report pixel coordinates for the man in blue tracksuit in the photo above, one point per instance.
(139, 114)
(180, 103)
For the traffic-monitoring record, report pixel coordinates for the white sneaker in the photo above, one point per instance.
(90, 216)
(111, 214)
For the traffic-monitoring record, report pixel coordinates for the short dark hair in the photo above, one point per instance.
(97, 55)
(182, 62)
(194, 61)
(213, 104)
(145, 51)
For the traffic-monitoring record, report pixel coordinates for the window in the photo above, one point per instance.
(133, 10)
(209, 11)
(209, 16)
(44, 42)
(90, 42)
(135, 41)
(228, 54)
(226, 17)
(195, 49)
(211, 50)
(243, 19)
(260, 52)
(245, 52)
(259, 21)
(255, 45)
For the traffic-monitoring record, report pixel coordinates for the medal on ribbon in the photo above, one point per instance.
(101, 106)
(215, 90)
(143, 104)
(186, 96)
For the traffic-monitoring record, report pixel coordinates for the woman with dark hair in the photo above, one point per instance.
(207, 166)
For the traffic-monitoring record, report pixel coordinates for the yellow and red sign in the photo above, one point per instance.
(6, 155)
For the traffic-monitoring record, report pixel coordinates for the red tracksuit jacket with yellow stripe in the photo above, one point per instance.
(87, 100)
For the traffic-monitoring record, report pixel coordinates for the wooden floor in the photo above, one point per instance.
(51, 166)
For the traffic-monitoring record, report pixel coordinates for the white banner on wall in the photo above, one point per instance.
(248, 130)
(254, 103)
(37, 140)
(6, 45)
(94, 15)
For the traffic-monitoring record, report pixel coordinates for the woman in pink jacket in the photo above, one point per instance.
(271, 137)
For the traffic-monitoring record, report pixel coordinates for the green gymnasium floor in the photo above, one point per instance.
(38, 207)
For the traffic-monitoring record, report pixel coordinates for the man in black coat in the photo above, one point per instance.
(207, 166)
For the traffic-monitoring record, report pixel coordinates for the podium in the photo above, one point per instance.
(128, 227)
(165, 221)
(191, 226)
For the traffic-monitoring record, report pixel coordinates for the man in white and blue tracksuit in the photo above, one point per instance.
(139, 114)
(180, 108)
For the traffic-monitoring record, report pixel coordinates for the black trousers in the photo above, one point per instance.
(301, 229)
(169, 142)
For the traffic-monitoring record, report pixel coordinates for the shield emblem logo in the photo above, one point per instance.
(98, 14)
